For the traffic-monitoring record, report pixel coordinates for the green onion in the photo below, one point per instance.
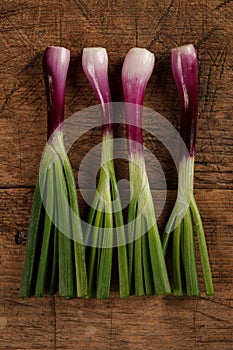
(55, 252)
(147, 269)
(185, 214)
(105, 217)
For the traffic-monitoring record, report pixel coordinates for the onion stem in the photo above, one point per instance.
(185, 214)
(143, 231)
(95, 66)
(55, 253)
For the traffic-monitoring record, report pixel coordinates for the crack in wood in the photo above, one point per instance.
(162, 17)
(83, 8)
(223, 4)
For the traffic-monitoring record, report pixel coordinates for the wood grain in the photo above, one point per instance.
(151, 323)
(27, 27)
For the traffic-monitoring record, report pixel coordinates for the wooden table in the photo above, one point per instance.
(27, 28)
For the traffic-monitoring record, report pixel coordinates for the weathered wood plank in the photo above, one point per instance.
(27, 27)
(215, 206)
(23, 109)
(27, 324)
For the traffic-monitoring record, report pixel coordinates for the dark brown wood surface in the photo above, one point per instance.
(27, 28)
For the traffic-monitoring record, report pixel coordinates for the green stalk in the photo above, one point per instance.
(79, 248)
(139, 220)
(92, 263)
(159, 269)
(99, 245)
(91, 216)
(44, 255)
(189, 257)
(184, 216)
(108, 194)
(138, 273)
(54, 274)
(32, 265)
(72, 216)
(121, 240)
(105, 266)
(32, 239)
(67, 285)
(176, 260)
(207, 277)
(102, 277)
(148, 277)
(132, 212)
(147, 271)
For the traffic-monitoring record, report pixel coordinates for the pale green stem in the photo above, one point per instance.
(147, 271)
(44, 255)
(105, 266)
(189, 256)
(207, 277)
(176, 260)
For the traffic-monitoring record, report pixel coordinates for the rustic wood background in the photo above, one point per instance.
(27, 28)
